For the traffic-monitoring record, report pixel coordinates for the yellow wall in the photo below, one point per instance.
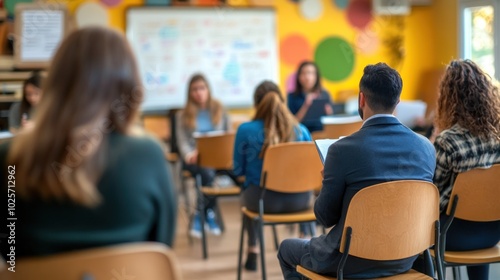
(445, 17)
(430, 38)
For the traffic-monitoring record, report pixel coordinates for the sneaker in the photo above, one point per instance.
(196, 226)
(213, 226)
(223, 181)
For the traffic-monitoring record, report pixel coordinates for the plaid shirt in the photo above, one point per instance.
(458, 151)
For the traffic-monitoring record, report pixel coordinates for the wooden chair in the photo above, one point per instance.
(148, 260)
(390, 221)
(216, 152)
(159, 126)
(474, 197)
(334, 128)
(284, 171)
(163, 128)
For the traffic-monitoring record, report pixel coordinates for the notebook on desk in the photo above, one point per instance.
(322, 145)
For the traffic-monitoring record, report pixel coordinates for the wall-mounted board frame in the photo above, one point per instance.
(39, 28)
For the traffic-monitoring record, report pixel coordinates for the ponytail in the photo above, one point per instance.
(279, 123)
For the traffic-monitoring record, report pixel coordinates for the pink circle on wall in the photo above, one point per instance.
(294, 49)
(359, 13)
(367, 42)
(290, 82)
(111, 3)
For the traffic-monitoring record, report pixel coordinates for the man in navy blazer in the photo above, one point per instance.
(382, 150)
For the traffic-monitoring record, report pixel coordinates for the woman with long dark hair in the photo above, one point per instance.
(21, 113)
(307, 89)
(81, 177)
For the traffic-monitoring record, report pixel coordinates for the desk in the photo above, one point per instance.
(5, 136)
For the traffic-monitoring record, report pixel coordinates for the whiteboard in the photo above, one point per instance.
(235, 49)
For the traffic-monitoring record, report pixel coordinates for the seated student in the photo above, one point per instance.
(202, 114)
(21, 113)
(468, 115)
(382, 150)
(272, 124)
(81, 180)
(308, 88)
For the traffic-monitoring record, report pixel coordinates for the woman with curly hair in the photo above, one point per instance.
(469, 118)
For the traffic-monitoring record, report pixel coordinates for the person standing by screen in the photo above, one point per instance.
(307, 88)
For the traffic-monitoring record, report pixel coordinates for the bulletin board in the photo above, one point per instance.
(39, 28)
(234, 48)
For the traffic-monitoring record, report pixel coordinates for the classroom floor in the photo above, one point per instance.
(223, 250)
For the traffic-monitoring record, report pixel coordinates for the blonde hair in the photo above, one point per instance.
(91, 89)
(468, 97)
(191, 109)
(279, 123)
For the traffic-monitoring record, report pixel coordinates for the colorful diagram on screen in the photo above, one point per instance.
(232, 72)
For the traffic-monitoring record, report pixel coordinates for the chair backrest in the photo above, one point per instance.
(336, 130)
(159, 126)
(478, 191)
(392, 220)
(149, 260)
(292, 167)
(216, 151)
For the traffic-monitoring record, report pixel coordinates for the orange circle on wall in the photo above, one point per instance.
(294, 49)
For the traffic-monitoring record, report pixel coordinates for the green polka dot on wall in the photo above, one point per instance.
(11, 4)
(335, 58)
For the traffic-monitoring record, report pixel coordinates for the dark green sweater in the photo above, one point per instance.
(138, 204)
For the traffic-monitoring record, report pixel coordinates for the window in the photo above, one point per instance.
(478, 28)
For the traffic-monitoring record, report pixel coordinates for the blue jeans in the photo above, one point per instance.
(207, 179)
(290, 254)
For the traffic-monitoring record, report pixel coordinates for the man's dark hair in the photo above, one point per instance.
(381, 86)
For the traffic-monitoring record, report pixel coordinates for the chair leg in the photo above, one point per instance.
(262, 248)
(312, 227)
(185, 192)
(275, 235)
(457, 273)
(218, 213)
(190, 224)
(201, 208)
(240, 254)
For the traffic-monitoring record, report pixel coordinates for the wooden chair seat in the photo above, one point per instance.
(410, 275)
(172, 157)
(490, 255)
(304, 216)
(218, 191)
(474, 197)
(186, 174)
